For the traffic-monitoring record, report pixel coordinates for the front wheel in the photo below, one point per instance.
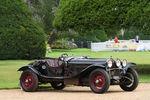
(130, 81)
(58, 85)
(99, 81)
(29, 81)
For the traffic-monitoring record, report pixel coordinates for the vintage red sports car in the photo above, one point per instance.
(98, 74)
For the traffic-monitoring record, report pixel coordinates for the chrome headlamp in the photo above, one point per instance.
(118, 63)
(109, 63)
(124, 62)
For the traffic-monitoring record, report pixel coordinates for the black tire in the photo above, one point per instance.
(28, 81)
(58, 85)
(99, 81)
(132, 74)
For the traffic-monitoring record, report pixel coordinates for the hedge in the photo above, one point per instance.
(20, 35)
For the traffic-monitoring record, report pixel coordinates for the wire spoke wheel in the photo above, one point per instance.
(99, 81)
(29, 81)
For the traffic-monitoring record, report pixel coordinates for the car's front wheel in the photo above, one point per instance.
(99, 81)
(129, 82)
(29, 81)
(58, 85)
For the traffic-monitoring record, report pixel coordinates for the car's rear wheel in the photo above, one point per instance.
(58, 85)
(99, 81)
(29, 81)
(130, 81)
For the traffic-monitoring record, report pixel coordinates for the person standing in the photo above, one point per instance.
(137, 39)
(116, 40)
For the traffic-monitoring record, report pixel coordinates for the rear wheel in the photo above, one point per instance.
(99, 81)
(29, 81)
(130, 81)
(58, 85)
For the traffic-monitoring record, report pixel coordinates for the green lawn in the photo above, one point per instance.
(137, 57)
(9, 76)
(8, 72)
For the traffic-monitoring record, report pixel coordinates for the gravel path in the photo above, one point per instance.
(78, 93)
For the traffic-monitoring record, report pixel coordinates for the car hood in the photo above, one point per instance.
(87, 61)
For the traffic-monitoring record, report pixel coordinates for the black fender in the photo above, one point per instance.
(30, 67)
(129, 65)
(90, 68)
(82, 73)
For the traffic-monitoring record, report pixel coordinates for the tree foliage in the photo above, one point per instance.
(20, 35)
(129, 34)
(132, 32)
(93, 35)
(82, 15)
(44, 12)
(50, 8)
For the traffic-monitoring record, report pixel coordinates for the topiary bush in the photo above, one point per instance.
(20, 35)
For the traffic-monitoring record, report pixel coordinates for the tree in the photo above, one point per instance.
(138, 15)
(93, 35)
(129, 34)
(132, 32)
(50, 8)
(43, 12)
(85, 15)
(20, 35)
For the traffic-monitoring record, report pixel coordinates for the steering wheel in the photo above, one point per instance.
(63, 56)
